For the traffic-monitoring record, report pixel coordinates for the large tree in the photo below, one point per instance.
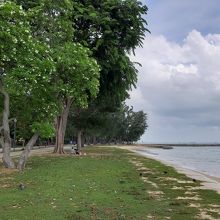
(24, 63)
(111, 29)
(77, 74)
(77, 77)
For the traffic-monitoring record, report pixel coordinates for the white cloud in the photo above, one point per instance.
(179, 86)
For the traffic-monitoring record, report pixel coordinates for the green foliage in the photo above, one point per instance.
(45, 130)
(16, 40)
(40, 64)
(51, 21)
(34, 109)
(111, 29)
(77, 74)
(27, 69)
(136, 124)
(124, 125)
(108, 23)
(54, 46)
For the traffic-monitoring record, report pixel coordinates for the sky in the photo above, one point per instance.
(179, 81)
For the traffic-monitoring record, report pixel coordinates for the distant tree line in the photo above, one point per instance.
(123, 126)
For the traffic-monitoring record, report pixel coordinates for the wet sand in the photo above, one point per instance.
(207, 181)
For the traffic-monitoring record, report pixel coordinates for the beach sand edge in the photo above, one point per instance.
(207, 181)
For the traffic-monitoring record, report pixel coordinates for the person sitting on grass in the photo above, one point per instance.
(72, 150)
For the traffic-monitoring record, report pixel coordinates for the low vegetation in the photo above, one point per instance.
(106, 183)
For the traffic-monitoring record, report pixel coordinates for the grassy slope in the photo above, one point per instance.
(108, 183)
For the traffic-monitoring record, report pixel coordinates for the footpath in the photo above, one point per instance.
(36, 150)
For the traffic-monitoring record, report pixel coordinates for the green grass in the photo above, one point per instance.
(105, 184)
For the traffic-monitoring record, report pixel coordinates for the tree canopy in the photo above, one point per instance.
(26, 69)
(111, 29)
(62, 56)
(121, 126)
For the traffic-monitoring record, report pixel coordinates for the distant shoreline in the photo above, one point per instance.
(177, 145)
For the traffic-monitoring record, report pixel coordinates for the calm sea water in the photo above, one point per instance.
(202, 159)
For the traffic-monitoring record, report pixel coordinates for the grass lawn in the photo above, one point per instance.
(107, 183)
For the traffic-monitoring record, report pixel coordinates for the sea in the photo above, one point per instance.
(205, 160)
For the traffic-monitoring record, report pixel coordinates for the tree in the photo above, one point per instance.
(77, 73)
(84, 122)
(124, 125)
(77, 79)
(121, 126)
(24, 62)
(136, 124)
(111, 29)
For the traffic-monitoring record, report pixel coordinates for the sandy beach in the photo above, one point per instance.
(207, 181)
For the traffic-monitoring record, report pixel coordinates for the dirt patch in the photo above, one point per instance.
(150, 182)
(190, 193)
(144, 169)
(205, 215)
(6, 171)
(168, 178)
(194, 205)
(137, 164)
(177, 188)
(191, 188)
(145, 172)
(6, 178)
(5, 186)
(214, 206)
(196, 198)
(157, 195)
(183, 181)
(213, 210)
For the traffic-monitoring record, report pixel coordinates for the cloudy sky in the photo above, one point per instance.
(179, 81)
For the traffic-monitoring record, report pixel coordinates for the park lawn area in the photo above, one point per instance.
(107, 183)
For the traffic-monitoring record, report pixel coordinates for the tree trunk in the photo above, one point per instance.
(79, 140)
(88, 141)
(59, 136)
(82, 140)
(24, 155)
(94, 140)
(61, 123)
(6, 139)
